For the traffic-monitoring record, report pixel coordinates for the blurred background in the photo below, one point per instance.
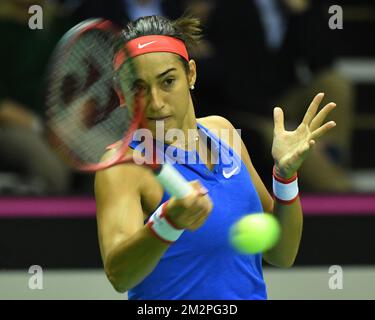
(256, 54)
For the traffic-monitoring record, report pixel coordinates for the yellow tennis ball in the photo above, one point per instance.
(254, 233)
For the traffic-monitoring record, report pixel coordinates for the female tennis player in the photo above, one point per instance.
(157, 247)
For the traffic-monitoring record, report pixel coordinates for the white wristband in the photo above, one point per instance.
(285, 190)
(163, 228)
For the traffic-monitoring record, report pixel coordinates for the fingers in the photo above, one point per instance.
(197, 186)
(199, 217)
(318, 120)
(306, 147)
(278, 119)
(322, 130)
(190, 199)
(311, 111)
(198, 223)
(199, 213)
(200, 209)
(193, 210)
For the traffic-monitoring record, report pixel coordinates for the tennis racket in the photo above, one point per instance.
(92, 103)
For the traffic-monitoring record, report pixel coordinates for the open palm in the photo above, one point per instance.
(290, 148)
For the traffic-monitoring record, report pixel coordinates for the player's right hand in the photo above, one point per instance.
(192, 211)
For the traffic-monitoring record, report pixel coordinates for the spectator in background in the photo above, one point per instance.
(123, 11)
(284, 50)
(23, 58)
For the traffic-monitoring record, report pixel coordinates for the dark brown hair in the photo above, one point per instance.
(187, 28)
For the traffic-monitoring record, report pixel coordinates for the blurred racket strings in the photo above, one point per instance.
(83, 106)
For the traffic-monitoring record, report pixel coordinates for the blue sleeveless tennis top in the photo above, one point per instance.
(202, 264)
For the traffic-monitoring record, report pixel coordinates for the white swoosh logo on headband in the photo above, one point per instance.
(140, 46)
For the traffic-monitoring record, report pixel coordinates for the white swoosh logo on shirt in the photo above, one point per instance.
(140, 46)
(227, 175)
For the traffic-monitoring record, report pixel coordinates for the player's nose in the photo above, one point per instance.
(156, 100)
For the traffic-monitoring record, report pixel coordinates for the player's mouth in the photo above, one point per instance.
(159, 118)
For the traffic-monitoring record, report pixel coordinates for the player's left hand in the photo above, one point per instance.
(290, 148)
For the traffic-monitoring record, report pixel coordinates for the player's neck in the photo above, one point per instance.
(190, 131)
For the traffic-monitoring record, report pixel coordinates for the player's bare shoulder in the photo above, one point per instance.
(128, 178)
(115, 173)
(218, 125)
(215, 122)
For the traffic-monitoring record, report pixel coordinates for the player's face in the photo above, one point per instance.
(164, 85)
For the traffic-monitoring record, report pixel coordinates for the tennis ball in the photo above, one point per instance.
(254, 233)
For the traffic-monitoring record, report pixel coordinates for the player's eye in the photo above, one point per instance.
(167, 83)
(139, 88)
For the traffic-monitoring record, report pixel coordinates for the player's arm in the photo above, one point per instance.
(129, 250)
(289, 216)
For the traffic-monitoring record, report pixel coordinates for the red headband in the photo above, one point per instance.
(152, 43)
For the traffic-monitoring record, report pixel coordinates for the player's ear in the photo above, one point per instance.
(192, 76)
